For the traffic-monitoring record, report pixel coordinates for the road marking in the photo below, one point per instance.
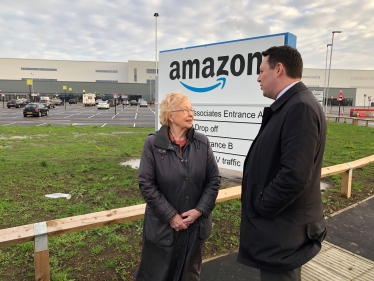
(154, 112)
(41, 124)
(136, 114)
(103, 125)
(134, 125)
(16, 122)
(115, 115)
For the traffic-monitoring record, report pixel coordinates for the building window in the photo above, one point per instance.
(362, 87)
(151, 71)
(107, 81)
(312, 77)
(150, 81)
(41, 79)
(38, 69)
(135, 75)
(106, 71)
(362, 78)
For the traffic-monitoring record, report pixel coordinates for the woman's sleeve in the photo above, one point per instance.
(208, 198)
(148, 187)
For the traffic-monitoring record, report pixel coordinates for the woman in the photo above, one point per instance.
(179, 180)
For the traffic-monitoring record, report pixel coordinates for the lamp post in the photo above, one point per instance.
(156, 16)
(324, 84)
(332, 45)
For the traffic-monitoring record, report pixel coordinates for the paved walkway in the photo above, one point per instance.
(347, 253)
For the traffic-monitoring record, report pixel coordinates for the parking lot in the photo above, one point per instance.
(79, 115)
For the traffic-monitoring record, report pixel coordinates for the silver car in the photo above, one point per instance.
(143, 103)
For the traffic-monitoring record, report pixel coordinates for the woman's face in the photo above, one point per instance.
(182, 115)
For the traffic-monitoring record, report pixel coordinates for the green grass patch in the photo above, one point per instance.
(85, 162)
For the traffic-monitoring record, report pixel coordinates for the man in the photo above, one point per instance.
(282, 224)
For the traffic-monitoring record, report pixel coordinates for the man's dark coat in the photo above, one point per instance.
(282, 223)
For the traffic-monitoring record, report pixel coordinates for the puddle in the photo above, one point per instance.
(134, 163)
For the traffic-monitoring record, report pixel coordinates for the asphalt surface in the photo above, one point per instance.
(350, 229)
(80, 115)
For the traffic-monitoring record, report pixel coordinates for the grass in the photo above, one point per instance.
(85, 162)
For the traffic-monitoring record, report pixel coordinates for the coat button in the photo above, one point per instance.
(187, 197)
(186, 179)
(181, 160)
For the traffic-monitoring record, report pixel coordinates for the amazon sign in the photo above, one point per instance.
(220, 80)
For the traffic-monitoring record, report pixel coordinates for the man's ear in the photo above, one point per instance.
(280, 69)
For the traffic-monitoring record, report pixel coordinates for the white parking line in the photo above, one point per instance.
(103, 125)
(16, 122)
(134, 125)
(41, 124)
(154, 112)
(94, 115)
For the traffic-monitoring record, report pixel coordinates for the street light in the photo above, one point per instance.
(324, 84)
(332, 45)
(156, 16)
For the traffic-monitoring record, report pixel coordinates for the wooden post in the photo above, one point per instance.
(41, 252)
(346, 187)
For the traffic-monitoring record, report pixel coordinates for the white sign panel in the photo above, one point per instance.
(221, 82)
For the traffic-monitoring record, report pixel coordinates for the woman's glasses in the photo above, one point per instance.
(185, 111)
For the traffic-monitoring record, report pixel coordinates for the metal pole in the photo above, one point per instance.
(328, 79)
(65, 100)
(156, 15)
(324, 84)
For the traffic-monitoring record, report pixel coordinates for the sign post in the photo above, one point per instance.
(115, 96)
(3, 94)
(364, 100)
(369, 101)
(64, 88)
(70, 89)
(340, 100)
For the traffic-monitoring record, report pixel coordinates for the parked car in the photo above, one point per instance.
(103, 105)
(57, 102)
(133, 102)
(35, 109)
(125, 102)
(98, 100)
(15, 103)
(47, 103)
(72, 101)
(143, 103)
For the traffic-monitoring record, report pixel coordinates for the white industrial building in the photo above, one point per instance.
(356, 84)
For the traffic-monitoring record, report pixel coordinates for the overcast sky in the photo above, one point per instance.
(122, 30)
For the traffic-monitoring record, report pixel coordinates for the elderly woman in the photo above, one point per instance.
(179, 180)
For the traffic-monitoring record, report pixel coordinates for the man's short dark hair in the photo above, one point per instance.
(288, 56)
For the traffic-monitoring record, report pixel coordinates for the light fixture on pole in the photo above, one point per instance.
(324, 84)
(332, 45)
(156, 16)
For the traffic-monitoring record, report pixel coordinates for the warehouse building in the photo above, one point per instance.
(138, 78)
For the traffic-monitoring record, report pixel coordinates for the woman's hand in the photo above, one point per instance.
(190, 216)
(177, 223)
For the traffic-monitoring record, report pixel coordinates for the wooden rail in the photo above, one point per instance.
(354, 120)
(40, 232)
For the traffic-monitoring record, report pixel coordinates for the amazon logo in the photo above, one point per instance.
(221, 67)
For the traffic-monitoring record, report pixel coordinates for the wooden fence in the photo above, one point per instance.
(354, 120)
(40, 232)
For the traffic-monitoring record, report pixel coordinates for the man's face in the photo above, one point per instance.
(267, 79)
